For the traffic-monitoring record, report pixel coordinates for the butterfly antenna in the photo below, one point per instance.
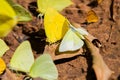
(27, 78)
(40, 17)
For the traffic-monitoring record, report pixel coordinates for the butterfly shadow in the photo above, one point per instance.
(65, 56)
(37, 40)
(93, 4)
(63, 60)
(90, 72)
(33, 8)
(118, 77)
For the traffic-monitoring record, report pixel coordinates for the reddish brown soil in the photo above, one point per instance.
(107, 30)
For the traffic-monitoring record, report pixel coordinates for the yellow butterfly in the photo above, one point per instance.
(91, 16)
(58, 5)
(8, 18)
(55, 25)
(2, 66)
(10, 14)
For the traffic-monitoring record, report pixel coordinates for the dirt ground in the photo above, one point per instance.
(107, 30)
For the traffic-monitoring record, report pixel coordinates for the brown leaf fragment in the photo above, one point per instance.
(101, 69)
(94, 40)
(53, 51)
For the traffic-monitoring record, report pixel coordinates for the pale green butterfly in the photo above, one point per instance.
(73, 39)
(3, 47)
(21, 12)
(58, 5)
(23, 60)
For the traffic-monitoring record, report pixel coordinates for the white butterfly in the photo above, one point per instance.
(73, 39)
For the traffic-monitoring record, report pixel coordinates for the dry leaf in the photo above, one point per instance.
(101, 69)
(53, 51)
(91, 17)
(91, 38)
(2, 66)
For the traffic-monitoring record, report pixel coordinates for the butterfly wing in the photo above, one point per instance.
(3, 47)
(6, 9)
(70, 42)
(2, 66)
(79, 31)
(44, 68)
(22, 59)
(8, 18)
(91, 16)
(21, 12)
(58, 5)
(55, 24)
